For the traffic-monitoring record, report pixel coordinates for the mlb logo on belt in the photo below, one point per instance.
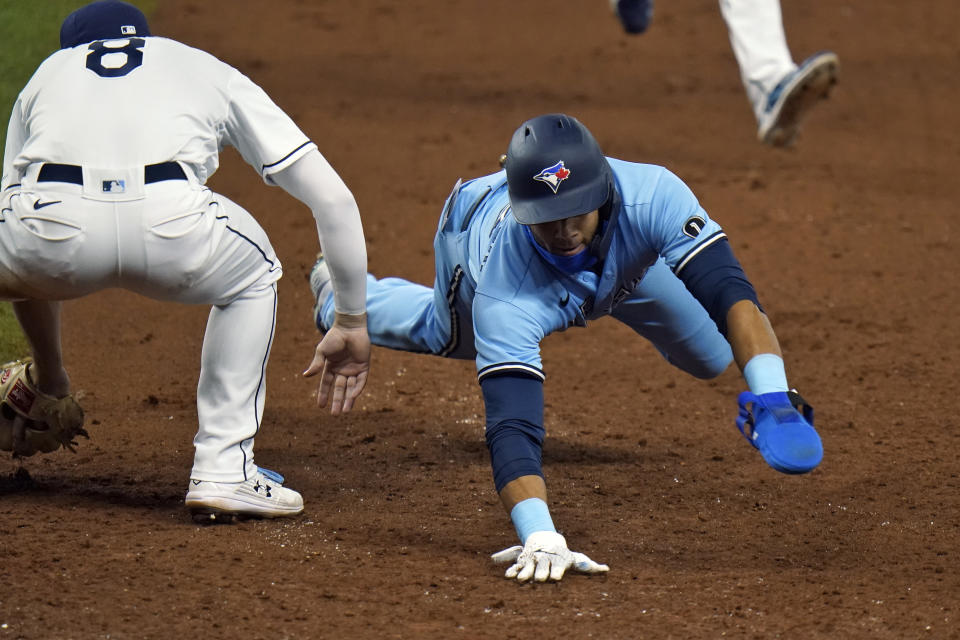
(114, 186)
(553, 175)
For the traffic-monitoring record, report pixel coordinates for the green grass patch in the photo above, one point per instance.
(29, 32)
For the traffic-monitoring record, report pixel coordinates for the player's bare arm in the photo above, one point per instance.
(750, 333)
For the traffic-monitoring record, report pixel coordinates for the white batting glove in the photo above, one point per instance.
(545, 555)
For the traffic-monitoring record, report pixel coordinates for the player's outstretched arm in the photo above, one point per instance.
(342, 359)
(544, 554)
(775, 420)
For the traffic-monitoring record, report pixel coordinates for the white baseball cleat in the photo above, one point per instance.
(794, 95)
(258, 497)
(320, 285)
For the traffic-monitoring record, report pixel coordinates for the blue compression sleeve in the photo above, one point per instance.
(765, 373)
(514, 407)
(717, 281)
(529, 516)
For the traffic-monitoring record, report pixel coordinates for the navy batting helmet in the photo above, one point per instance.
(555, 170)
(102, 20)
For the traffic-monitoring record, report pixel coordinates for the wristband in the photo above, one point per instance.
(529, 516)
(764, 373)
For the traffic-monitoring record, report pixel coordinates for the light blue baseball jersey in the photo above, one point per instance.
(520, 297)
(495, 297)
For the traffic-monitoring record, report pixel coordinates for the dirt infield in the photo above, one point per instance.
(850, 238)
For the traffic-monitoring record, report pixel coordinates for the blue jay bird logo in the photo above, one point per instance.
(553, 175)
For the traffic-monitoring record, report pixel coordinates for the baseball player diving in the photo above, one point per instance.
(108, 148)
(562, 236)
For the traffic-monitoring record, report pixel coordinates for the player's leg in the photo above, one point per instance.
(634, 15)
(778, 90)
(405, 315)
(662, 310)
(412, 317)
(230, 400)
(759, 45)
(202, 248)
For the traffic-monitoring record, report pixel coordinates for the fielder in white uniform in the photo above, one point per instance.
(107, 152)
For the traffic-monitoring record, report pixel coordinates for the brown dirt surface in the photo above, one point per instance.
(848, 237)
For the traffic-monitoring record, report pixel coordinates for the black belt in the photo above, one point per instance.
(51, 172)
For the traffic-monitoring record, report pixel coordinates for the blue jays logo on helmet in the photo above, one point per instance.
(553, 175)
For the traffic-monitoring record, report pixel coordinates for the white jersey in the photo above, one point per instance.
(108, 149)
(195, 104)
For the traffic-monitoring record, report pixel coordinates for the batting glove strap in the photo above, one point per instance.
(780, 426)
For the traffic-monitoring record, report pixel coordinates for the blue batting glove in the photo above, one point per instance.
(785, 437)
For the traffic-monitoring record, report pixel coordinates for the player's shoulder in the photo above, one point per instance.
(484, 183)
(637, 182)
(640, 183)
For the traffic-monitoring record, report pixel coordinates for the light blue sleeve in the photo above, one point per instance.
(507, 339)
(681, 223)
(518, 302)
(664, 216)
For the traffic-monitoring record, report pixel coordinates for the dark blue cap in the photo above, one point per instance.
(102, 20)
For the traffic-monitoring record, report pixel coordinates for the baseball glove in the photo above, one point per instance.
(32, 421)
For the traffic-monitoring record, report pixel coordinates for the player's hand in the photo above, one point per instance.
(780, 425)
(342, 359)
(545, 555)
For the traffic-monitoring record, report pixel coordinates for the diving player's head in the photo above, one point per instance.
(555, 170)
(559, 182)
(102, 20)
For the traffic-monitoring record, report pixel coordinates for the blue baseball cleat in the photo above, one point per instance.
(794, 95)
(635, 15)
(785, 437)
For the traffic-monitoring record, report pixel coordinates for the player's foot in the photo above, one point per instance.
(321, 287)
(794, 95)
(261, 496)
(635, 15)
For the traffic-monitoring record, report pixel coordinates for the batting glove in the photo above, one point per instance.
(545, 555)
(785, 437)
